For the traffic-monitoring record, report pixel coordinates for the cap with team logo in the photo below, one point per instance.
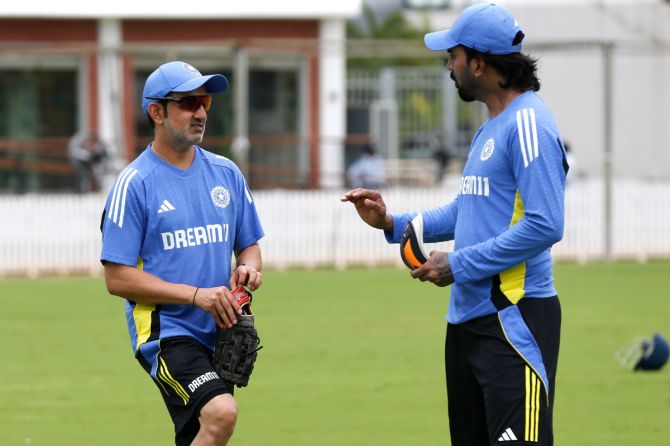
(179, 77)
(486, 27)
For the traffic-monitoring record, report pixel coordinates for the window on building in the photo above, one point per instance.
(277, 157)
(38, 116)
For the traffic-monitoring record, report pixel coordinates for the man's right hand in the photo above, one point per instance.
(370, 207)
(220, 303)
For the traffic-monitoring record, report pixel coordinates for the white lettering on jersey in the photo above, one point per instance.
(184, 238)
(527, 129)
(180, 238)
(474, 185)
(200, 235)
(214, 232)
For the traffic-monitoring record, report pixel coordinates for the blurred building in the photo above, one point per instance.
(604, 67)
(72, 66)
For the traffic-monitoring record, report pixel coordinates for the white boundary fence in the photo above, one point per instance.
(58, 234)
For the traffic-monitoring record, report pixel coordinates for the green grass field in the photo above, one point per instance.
(350, 358)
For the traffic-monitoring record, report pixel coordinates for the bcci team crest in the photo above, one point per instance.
(487, 151)
(189, 67)
(220, 196)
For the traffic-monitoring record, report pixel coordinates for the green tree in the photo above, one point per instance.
(404, 40)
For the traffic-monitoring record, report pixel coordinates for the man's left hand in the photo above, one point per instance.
(247, 276)
(437, 270)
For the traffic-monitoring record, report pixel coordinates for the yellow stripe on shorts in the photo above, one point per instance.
(533, 389)
(165, 376)
(526, 434)
(537, 409)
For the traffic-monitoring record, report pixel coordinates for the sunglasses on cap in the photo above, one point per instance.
(187, 103)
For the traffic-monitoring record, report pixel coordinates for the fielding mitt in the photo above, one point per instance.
(236, 347)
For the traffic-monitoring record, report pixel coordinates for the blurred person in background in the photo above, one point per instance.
(87, 154)
(504, 317)
(172, 221)
(442, 158)
(368, 170)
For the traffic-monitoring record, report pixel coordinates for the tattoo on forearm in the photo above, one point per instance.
(446, 277)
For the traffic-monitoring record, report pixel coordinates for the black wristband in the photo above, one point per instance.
(196, 292)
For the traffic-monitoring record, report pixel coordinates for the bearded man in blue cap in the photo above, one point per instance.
(172, 221)
(503, 323)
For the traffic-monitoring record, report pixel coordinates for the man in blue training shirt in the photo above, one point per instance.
(172, 222)
(504, 316)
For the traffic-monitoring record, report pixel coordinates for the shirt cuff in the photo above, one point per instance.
(399, 224)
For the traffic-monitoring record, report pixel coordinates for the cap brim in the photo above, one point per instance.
(439, 41)
(215, 83)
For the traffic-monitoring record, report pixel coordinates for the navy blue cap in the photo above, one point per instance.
(179, 77)
(486, 27)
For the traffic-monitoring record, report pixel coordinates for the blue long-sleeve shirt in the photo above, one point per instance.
(508, 212)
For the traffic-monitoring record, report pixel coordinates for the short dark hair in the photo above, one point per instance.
(518, 69)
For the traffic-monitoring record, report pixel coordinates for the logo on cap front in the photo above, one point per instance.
(189, 67)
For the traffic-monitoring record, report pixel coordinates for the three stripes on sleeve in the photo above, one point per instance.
(117, 205)
(527, 129)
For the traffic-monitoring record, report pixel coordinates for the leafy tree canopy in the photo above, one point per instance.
(394, 26)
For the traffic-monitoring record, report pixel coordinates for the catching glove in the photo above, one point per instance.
(411, 244)
(236, 347)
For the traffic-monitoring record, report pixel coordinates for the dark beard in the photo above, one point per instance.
(465, 94)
